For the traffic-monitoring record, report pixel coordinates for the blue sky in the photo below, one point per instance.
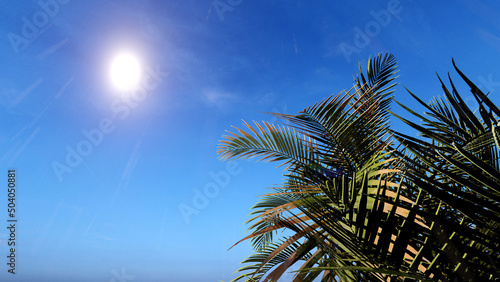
(127, 206)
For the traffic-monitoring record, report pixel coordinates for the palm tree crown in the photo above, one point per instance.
(365, 203)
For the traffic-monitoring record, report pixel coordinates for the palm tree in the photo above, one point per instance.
(359, 208)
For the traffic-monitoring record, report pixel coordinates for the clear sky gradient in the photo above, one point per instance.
(131, 190)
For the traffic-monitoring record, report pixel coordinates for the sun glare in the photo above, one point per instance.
(125, 71)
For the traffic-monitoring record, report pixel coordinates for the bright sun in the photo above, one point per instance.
(125, 71)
